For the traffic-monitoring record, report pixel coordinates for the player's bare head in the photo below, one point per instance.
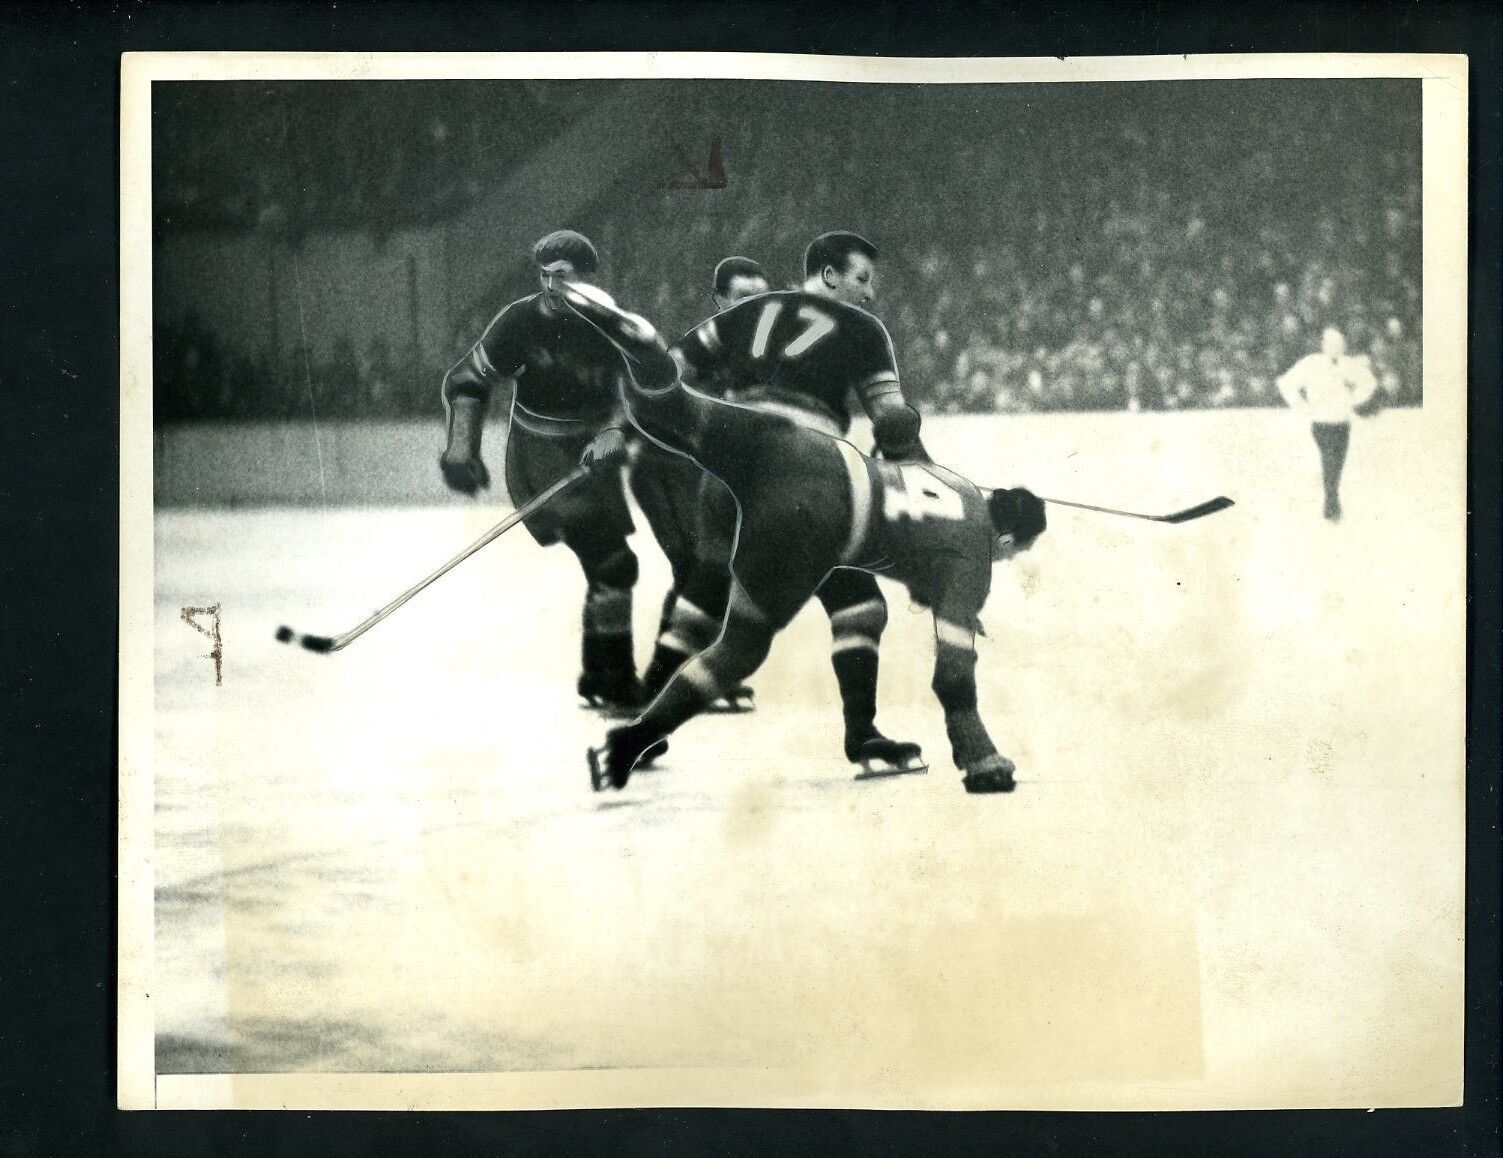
(737, 278)
(1332, 342)
(564, 253)
(842, 264)
(1018, 519)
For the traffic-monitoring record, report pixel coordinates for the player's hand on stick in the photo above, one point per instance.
(464, 472)
(607, 449)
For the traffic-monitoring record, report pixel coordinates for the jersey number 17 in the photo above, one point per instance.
(817, 325)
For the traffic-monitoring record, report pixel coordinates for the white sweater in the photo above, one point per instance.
(1328, 389)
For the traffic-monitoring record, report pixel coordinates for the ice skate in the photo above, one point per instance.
(991, 774)
(624, 751)
(878, 756)
(614, 695)
(738, 700)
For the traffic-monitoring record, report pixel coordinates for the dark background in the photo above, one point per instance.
(332, 247)
(60, 551)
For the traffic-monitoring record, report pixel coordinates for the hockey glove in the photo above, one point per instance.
(897, 434)
(463, 472)
(607, 449)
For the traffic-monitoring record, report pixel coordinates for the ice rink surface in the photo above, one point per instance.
(1233, 862)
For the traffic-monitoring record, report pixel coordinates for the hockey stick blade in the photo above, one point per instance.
(324, 644)
(1219, 503)
(1210, 507)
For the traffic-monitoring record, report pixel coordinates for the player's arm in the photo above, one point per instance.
(467, 391)
(895, 422)
(1291, 385)
(700, 352)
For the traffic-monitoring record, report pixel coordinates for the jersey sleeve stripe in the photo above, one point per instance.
(882, 382)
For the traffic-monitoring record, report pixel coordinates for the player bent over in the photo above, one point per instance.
(803, 354)
(810, 504)
(565, 377)
(691, 515)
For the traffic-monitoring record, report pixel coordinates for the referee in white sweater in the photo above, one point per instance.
(1326, 388)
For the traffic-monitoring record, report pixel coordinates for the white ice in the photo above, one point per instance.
(1235, 848)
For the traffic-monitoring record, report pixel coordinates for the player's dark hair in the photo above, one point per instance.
(1019, 513)
(835, 248)
(731, 268)
(567, 245)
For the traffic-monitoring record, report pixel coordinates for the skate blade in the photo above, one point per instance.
(883, 770)
(736, 707)
(609, 711)
(599, 781)
(600, 778)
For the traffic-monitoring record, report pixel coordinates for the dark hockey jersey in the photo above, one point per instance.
(795, 347)
(564, 367)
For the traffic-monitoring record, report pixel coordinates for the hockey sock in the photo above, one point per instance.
(955, 686)
(970, 743)
(856, 673)
(687, 632)
(855, 635)
(742, 646)
(687, 694)
(607, 649)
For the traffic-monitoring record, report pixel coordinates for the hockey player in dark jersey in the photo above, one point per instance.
(565, 378)
(810, 505)
(803, 353)
(688, 510)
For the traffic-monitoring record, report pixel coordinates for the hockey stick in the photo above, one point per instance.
(324, 644)
(1210, 507)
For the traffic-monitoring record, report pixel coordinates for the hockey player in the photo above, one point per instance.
(810, 504)
(565, 378)
(800, 354)
(688, 510)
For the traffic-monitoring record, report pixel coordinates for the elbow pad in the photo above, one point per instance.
(897, 433)
(464, 382)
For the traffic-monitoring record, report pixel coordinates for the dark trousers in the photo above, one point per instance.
(1332, 439)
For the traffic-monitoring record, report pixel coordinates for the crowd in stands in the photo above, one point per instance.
(1156, 253)
(198, 376)
(293, 158)
(1154, 250)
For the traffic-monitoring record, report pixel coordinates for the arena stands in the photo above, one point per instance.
(1096, 247)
